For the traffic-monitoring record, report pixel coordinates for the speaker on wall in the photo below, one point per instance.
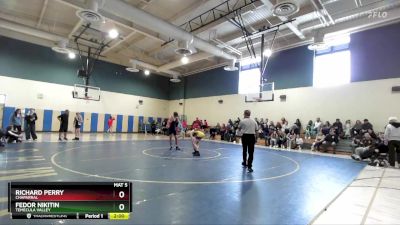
(220, 101)
(180, 103)
(140, 102)
(283, 98)
(396, 89)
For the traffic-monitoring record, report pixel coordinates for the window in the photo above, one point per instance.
(332, 69)
(249, 81)
(2, 99)
(332, 66)
(249, 76)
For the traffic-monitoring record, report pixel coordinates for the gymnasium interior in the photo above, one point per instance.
(88, 90)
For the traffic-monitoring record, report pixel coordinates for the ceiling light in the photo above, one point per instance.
(147, 72)
(318, 46)
(61, 47)
(113, 33)
(184, 59)
(285, 8)
(133, 68)
(231, 66)
(267, 52)
(175, 79)
(71, 55)
(184, 48)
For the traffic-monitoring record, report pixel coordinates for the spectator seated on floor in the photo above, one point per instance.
(330, 140)
(376, 152)
(13, 135)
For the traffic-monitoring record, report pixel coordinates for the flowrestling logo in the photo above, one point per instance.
(377, 14)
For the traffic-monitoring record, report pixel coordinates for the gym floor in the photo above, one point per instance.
(172, 187)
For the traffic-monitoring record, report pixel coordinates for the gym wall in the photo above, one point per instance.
(28, 71)
(375, 69)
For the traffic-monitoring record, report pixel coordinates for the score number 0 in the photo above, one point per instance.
(121, 194)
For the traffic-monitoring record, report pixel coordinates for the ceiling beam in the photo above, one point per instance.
(44, 7)
(118, 20)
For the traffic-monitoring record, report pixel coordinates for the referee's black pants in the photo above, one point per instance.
(248, 142)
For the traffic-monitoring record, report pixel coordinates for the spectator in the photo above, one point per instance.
(318, 141)
(347, 129)
(184, 125)
(274, 139)
(222, 131)
(326, 128)
(153, 127)
(366, 126)
(230, 122)
(30, 120)
(291, 139)
(317, 126)
(271, 126)
(283, 120)
(365, 144)
(331, 139)
(338, 126)
(16, 120)
(77, 125)
(218, 128)
(298, 123)
(309, 130)
(13, 135)
(299, 142)
(356, 128)
(278, 126)
(295, 128)
(63, 118)
(285, 127)
(164, 126)
(281, 139)
(110, 124)
(392, 139)
(205, 125)
(258, 122)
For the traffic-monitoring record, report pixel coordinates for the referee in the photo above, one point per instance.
(248, 128)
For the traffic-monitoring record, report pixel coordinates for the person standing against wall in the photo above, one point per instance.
(248, 128)
(16, 120)
(392, 139)
(30, 120)
(78, 120)
(63, 118)
(110, 123)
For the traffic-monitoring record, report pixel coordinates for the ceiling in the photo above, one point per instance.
(45, 20)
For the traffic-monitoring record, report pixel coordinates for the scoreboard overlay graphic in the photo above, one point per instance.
(70, 200)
